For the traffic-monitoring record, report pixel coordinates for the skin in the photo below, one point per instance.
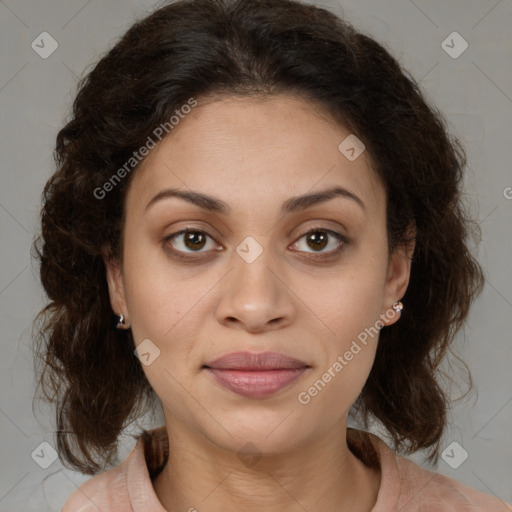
(254, 154)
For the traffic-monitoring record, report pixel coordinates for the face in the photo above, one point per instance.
(261, 272)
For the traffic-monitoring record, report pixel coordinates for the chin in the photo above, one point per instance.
(272, 433)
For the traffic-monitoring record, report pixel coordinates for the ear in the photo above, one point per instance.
(115, 283)
(398, 275)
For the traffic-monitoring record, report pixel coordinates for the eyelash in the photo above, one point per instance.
(316, 256)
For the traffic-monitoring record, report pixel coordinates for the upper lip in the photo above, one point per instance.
(255, 361)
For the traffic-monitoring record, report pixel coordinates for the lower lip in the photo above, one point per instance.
(256, 384)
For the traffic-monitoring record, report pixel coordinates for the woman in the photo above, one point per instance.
(256, 224)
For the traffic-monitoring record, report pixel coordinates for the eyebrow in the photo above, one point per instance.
(294, 204)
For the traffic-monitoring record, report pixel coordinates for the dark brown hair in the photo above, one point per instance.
(197, 48)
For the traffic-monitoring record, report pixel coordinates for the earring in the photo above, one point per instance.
(120, 322)
(398, 306)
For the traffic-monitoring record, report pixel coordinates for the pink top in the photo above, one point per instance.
(404, 486)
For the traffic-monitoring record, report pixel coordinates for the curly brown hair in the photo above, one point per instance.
(194, 48)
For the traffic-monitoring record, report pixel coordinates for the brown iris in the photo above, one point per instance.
(319, 239)
(194, 240)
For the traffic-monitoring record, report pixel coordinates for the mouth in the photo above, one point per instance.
(256, 375)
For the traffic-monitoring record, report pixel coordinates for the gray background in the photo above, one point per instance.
(474, 91)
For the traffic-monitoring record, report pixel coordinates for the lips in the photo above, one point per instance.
(256, 375)
(249, 361)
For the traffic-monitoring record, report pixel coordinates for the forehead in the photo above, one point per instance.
(249, 151)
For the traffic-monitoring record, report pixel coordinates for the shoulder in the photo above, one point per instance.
(106, 491)
(127, 486)
(408, 487)
(444, 493)
(421, 487)
(99, 492)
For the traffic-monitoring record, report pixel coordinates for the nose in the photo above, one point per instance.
(255, 296)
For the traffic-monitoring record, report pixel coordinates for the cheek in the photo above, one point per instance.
(347, 303)
(348, 344)
(168, 313)
(349, 309)
(158, 295)
(332, 391)
(167, 306)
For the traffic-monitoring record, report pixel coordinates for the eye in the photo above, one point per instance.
(189, 240)
(319, 238)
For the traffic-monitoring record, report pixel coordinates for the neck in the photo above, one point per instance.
(324, 475)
